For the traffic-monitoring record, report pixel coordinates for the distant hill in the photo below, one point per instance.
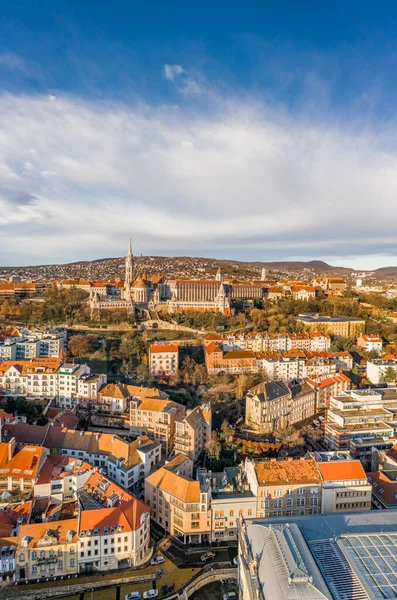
(386, 272)
(178, 267)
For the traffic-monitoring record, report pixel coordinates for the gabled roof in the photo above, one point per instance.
(128, 516)
(161, 348)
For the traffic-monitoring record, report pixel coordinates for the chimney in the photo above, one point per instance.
(11, 448)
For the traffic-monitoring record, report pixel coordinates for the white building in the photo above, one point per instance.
(371, 343)
(377, 369)
(114, 538)
(163, 359)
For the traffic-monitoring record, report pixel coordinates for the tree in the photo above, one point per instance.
(213, 446)
(242, 386)
(390, 375)
(79, 345)
(227, 433)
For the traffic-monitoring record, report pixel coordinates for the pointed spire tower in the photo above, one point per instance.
(219, 275)
(129, 271)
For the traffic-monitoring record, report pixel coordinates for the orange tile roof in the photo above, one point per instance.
(239, 354)
(144, 392)
(54, 468)
(50, 365)
(34, 532)
(128, 516)
(284, 472)
(101, 488)
(213, 347)
(179, 486)
(341, 470)
(24, 464)
(158, 348)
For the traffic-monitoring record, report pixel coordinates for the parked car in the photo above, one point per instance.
(229, 595)
(235, 561)
(207, 556)
(167, 589)
(150, 594)
(157, 560)
(133, 596)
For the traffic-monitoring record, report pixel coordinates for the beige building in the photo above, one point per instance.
(47, 550)
(193, 431)
(180, 505)
(286, 487)
(156, 418)
(163, 359)
(273, 405)
(335, 325)
(345, 486)
(114, 538)
(327, 386)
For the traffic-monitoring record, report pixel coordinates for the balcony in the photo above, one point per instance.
(47, 560)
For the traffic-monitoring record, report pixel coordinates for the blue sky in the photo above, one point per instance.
(256, 130)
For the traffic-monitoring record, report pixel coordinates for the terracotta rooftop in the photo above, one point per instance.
(128, 516)
(34, 532)
(160, 348)
(284, 472)
(179, 486)
(342, 470)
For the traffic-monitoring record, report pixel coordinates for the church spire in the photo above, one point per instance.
(129, 270)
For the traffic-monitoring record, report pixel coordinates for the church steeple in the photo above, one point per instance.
(129, 271)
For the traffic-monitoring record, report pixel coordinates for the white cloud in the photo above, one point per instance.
(79, 178)
(172, 71)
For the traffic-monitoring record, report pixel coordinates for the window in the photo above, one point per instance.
(60, 565)
(250, 512)
(34, 569)
(72, 562)
(34, 555)
(232, 513)
(21, 558)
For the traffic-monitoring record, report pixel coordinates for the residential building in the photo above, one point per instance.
(326, 386)
(335, 325)
(357, 415)
(19, 466)
(114, 538)
(47, 550)
(371, 343)
(192, 432)
(285, 487)
(383, 478)
(7, 563)
(318, 557)
(156, 418)
(98, 491)
(113, 398)
(345, 486)
(163, 359)
(231, 500)
(61, 477)
(49, 377)
(127, 463)
(179, 504)
(274, 405)
(378, 369)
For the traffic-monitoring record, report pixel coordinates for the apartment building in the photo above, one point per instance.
(47, 550)
(98, 491)
(313, 341)
(179, 504)
(163, 359)
(114, 538)
(231, 501)
(379, 369)
(156, 418)
(126, 463)
(334, 325)
(357, 415)
(370, 343)
(345, 486)
(286, 487)
(273, 405)
(61, 477)
(288, 365)
(267, 406)
(384, 479)
(49, 377)
(113, 398)
(193, 431)
(328, 385)
(19, 466)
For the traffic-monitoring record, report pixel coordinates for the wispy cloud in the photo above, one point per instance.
(172, 71)
(77, 178)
